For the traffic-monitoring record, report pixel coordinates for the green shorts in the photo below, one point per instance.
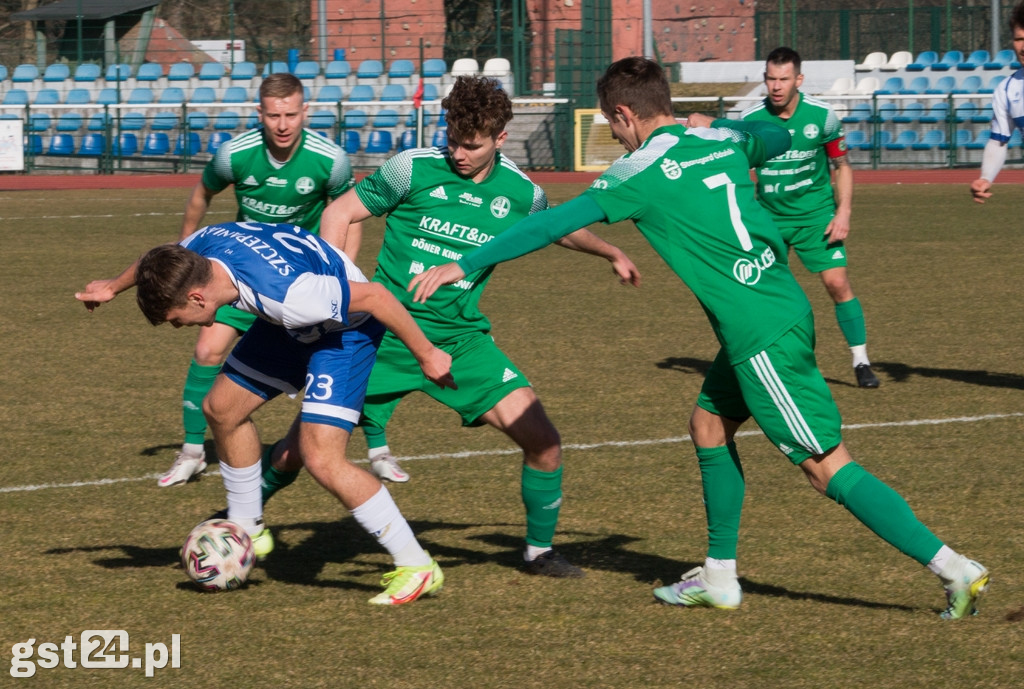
(484, 374)
(783, 390)
(239, 320)
(812, 247)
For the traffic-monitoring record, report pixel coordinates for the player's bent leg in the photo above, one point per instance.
(850, 317)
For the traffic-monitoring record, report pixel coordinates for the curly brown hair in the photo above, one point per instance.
(476, 105)
(164, 277)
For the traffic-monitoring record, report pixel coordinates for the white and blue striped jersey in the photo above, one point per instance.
(1008, 107)
(284, 275)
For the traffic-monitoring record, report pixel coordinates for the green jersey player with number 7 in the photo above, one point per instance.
(689, 192)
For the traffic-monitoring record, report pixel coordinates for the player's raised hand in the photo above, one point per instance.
(425, 284)
(96, 292)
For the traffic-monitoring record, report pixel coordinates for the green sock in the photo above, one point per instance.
(884, 511)
(273, 479)
(721, 475)
(542, 496)
(197, 384)
(850, 317)
(375, 437)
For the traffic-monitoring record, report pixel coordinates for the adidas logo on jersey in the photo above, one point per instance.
(837, 255)
(785, 448)
(509, 375)
(439, 194)
(251, 180)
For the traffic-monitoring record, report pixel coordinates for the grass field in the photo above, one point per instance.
(89, 411)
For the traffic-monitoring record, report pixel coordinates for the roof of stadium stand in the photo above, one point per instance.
(86, 9)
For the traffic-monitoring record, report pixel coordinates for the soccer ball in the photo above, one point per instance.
(218, 555)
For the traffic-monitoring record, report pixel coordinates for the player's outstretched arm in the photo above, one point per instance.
(101, 291)
(375, 299)
(589, 243)
(340, 223)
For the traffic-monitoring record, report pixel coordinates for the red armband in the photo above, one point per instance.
(836, 148)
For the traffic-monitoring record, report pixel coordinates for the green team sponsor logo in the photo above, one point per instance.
(271, 209)
(454, 230)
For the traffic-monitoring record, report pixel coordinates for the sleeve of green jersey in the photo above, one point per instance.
(341, 179)
(534, 232)
(382, 191)
(770, 140)
(218, 175)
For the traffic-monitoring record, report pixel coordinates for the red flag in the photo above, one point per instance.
(417, 98)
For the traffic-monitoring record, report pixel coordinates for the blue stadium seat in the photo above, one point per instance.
(164, 121)
(856, 139)
(24, 74)
(361, 93)
(107, 96)
(97, 122)
(322, 119)
(386, 118)
(355, 119)
(379, 141)
(911, 112)
(211, 71)
(887, 111)
(407, 140)
(917, 86)
(3, 73)
(156, 144)
(937, 113)
(47, 97)
(950, 59)
(979, 140)
(133, 121)
(860, 112)
(964, 111)
(433, 67)
(181, 71)
(235, 94)
(971, 84)
(903, 140)
(227, 119)
(140, 95)
(87, 72)
(393, 92)
(931, 139)
(369, 69)
(410, 120)
(203, 94)
(69, 122)
(960, 139)
(192, 142)
(1001, 60)
(93, 144)
(16, 97)
(923, 61)
(33, 143)
(440, 139)
(149, 71)
(61, 145)
(975, 60)
(430, 92)
(892, 85)
(990, 87)
(215, 141)
(58, 72)
(984, 114)
(118, 72)
(942, 86)
(352, 141)
(274, 67)
(306, 70)
(243, 71)
(442, 123)
(401, 69)
(125, 145)
(78, 97)
(880, 139)
(197, 120)
(172, 95)
(39, 122)
(330, 93)
(337, 69)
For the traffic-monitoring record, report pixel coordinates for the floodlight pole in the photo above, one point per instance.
(648, 31)
(996, 43)
(79, 31)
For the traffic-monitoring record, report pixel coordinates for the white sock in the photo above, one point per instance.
(532, 552)
(192, 449)
(382, 519)
(720, 572)
(948, 565)
(245, 495)
(860, 355)
(376, 452)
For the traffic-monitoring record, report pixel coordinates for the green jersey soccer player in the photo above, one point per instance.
(688, 191)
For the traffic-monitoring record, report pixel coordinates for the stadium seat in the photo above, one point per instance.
(322, 119)
(1001, 60)
(133, 121)
(306, 70)
(149, 71)
(125, 145)
(107, 96)
(497, 67)
(355, 119)
(140, 95)
(369, 69)
(990, 87)
(441, 122)
(118, 72)
(361, 93)
(866, 86)
(235, 94)
(156, 144)
(871, 62)
(61, 145)
(899, 60)
(243, 71)
(46, 97)
(903, 140)
(274, 67)
(887, 111)
(964, 111)
(911, 112)
(33, 144)
(352, 141)
(393, 92)
(410, 120)
(24, 74)
(329, 93)
(923, 61)
(87, 72)
(181, 71)
(337, 69)
(892, 86)
(943, 85)
(93, 144)
(960, 139)
(938, 112)
(227, 119)
(840, 87)
(39, 122)
(211, 71)
(16, 97)
(984, 114)
(3, 73)
(77, 97)
(197, 121)
(433, 67)
(429, 92)
(969, 85)
(975, 60)
(407, 140)
(465, 66)
(950, 59)
(440, 139)
(172, 95)
(164, 121)
(856, 139)
(379, 141)
(917, 86)
(215, 141)
(203, 94)
(931, 139)
(386, 118)
(401, 69)
(979, 140)
(69, 122)
(97, 122)
(194, 144)
(58, 72)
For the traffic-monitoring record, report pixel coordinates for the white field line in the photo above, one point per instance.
(573, 446)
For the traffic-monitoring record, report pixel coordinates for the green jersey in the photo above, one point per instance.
(434, 217)
(270, 191)
(689, 193)
(796, 187)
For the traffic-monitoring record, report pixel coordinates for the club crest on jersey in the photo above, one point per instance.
(671, 169)
(811, 131)
(304, 185)
(500, 207)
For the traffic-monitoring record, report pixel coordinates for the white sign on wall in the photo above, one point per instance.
(221, 50)
(12, 145)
